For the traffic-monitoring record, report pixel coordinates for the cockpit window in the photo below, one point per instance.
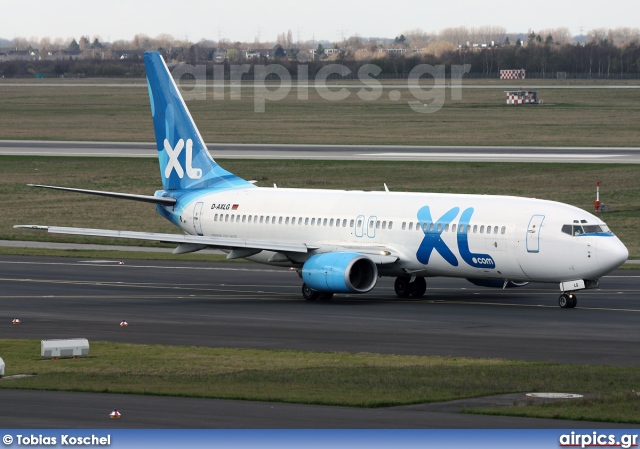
(579, 229)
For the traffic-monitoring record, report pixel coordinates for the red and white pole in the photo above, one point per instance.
(596, 203)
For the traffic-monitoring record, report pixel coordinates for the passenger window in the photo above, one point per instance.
(306, 221)
(439, 227)
(453, 228)
(313, 222)
(331, 222)
(504, 229)
(411, 226)
(324, 223)
(475, 228)
(482, 229)
(286, 221)
(371, 224)
(359, 223)
(378, 224)
(390, 224)
(344, 223)
(215, 217)
(384, 225)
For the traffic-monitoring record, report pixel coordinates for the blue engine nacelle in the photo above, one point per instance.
(340, 272)
(496, 283)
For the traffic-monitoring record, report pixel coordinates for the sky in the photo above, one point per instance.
(246, 20)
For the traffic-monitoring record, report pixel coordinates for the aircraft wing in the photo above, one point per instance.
(188, 243)
(381, 255)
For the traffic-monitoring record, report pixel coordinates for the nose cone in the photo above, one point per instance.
(611, 253)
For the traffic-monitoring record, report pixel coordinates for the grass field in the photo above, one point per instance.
(569, 183)
(568, 117)
(332, 378)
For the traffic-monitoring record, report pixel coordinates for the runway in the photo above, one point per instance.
(620, 155)
(248, 305)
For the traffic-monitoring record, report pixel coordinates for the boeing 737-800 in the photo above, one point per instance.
(343, 241)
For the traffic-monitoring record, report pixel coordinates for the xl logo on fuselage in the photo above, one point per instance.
(174, 163)
(433, 239)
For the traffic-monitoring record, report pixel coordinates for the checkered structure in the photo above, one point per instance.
(512, 74)
(522, 97)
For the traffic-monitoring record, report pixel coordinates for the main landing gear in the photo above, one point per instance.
(567, 300)
(405, 288)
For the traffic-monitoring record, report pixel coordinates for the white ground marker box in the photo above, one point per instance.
(73, 347)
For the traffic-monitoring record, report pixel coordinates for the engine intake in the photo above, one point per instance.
(340, 272)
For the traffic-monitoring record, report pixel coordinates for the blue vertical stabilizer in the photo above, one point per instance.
(185, 162)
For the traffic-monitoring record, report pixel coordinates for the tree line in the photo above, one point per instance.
(601, 54)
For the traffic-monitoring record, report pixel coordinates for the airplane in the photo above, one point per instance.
(342, 241)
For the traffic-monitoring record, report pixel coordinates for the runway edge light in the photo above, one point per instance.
(115, 414)
(124, 323)
(16, 321)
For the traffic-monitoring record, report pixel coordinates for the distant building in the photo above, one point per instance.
(19, 55)
(60, 55)
(260, 53)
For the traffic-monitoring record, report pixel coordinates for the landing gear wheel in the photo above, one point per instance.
(309, 294)
(418, 287)
(402, 287)
(567, 300)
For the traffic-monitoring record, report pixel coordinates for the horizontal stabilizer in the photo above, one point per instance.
(214, 242)
(165, 201)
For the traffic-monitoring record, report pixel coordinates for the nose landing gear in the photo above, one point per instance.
(567, 300)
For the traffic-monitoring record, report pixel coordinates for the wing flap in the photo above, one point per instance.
(228, 243)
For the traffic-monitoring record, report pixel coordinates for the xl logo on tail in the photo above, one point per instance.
(174, 163)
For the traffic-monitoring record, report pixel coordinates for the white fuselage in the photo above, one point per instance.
(506, 237)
